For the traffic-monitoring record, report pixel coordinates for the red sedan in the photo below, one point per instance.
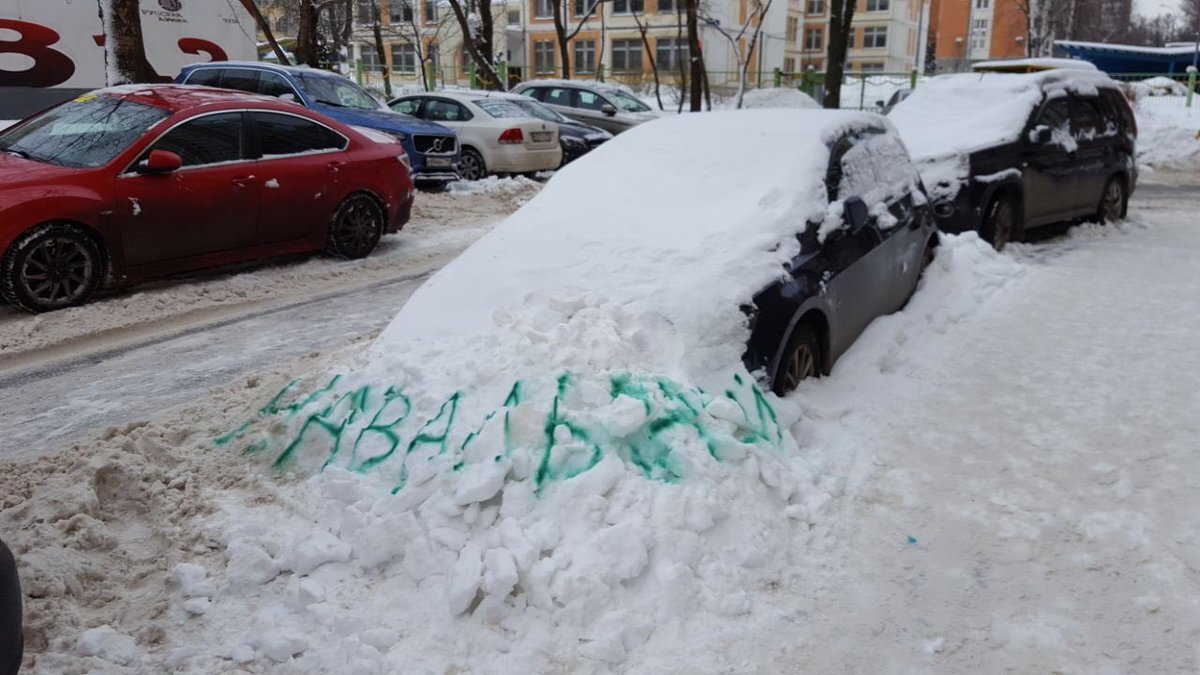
(134, 182)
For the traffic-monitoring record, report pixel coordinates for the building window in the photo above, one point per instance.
(404, 58)
(365, 9)
(877, 5)
(815, 7)
(543, 10)
(431, 56)
(982, 4)
(464, 60)
(400, 12)
(812, 39)
(629, 6)
(370, 57)
(627, 55)
(543, 57)
(875, 37)
(585, 56)
(789, 65)
(514, 17)
(582, 7)
(431, 12)
(793, 28)
(871, 67)
(668, 6)
(670, 53)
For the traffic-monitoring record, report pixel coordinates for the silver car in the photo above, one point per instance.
(603, 105)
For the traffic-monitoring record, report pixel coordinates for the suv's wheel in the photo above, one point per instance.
(471, 166)
(356, 228)
(1000, 222)
(801, 361)
(50, 267)
(1113, 202)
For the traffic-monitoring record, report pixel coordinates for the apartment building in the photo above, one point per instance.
(886, 36)
(965, 31)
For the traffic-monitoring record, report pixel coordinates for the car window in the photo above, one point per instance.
(1118, 109)
(858, 173)
(86, 132)
(274, 84)
(538, 93)
(206, 77)
(894, 170)
(1085, 119)
(440, 110)
(558, 96)
(590, 100)
(240, 79)
(1055, 113)
(499, 108)
(408, 106)
(280, 135)
(833, 175)
(211, 139)
(538, 110)
(337, 91)
(627, 103)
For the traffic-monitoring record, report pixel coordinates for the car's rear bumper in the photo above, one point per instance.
(400, 214)
(435, 176)
(517, 159)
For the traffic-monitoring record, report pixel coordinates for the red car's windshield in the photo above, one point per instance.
(86, 132)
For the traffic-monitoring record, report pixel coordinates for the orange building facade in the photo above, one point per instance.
(966, 31)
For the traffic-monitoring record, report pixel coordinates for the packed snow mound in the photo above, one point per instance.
(1168, 134)
(781, 97)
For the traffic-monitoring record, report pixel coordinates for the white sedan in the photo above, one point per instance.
(495, 135)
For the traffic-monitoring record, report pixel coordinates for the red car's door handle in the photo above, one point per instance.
(335, 166)
(243, 181)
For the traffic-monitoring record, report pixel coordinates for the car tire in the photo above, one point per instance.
(52, 266)
(801, 360)
(356, 229)
(1113, 202)
(1000, 220)
(471, 165)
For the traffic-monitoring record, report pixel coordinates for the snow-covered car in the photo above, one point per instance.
(607, 106)
(1003, 153)
(495, 135)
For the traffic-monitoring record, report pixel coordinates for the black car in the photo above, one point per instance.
(576, 138)
(1068, 154)
(840, 283)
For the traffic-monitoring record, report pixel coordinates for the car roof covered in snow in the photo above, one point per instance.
(664, 232)
(958, 114)
(1032, 65)
(176, 97)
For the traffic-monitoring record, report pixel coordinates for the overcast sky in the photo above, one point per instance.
(1155, 7)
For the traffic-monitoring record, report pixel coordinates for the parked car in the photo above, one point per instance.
(897, 96)
(432, 149)
(1004, 153)
(134, 182)
(603, 105)
(576, 138)
(12, 642)
(496, 135)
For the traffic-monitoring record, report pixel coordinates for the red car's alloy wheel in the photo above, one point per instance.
(51, 267)
(357, 227)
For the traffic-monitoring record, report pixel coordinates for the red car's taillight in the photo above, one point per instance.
(512, 136)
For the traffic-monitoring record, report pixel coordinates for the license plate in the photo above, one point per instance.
(541, 136)
(437, 161)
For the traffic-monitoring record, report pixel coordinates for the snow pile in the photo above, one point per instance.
(781, 97)
(1168, 134)
(492, 185)
(1156, 86)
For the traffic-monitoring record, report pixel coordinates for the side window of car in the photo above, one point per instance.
(1054, 114)
(206, 77)
(1085, 119)
(858, 174)
(558, 96)
(240, 79)
(281, 135)
(276, 85)
(589, 100)
(408, 106)
(1117, 109)
(893, 168)
(833, 175)
(440, 110)
(212, 139)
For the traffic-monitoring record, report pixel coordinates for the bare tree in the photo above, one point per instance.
(695, 55)
(424, 33)
(309, 35)
(265, 26)
(642, 29)
(124, 47)
(841, 16)
(753, 25)
(1045, 20)
(563, 34)
(477, 24)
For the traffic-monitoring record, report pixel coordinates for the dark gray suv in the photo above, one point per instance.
(601, 105)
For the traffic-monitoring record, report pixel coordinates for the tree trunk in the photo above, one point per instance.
(642, 28)
(125, 49)
(377, 30)
(478, 46)
(841, 14)
(265, 26)
(307, 50)
(696, 57)
(560, 33)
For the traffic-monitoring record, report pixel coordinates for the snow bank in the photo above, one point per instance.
(781, 97)
(493, 185)
(1168, 134)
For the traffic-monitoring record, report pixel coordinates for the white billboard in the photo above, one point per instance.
(60, 43)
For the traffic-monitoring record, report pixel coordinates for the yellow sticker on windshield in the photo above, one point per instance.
(85, 98)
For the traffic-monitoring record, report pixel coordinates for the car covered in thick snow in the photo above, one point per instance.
(128, 183)
(1003, 153)
(776, 241)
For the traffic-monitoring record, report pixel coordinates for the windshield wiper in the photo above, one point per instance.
(18, 153)
(332, 103)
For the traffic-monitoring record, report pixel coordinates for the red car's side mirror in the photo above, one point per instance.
(160, 161)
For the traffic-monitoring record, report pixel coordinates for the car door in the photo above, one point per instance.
(1049, 176)
(562, 100)
(409, 105)
(1088, 130)
(900, 221)
(299, 168)
(860, 269)
(208, 205)
(590, 109)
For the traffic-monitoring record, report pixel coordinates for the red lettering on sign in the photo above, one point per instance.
(197, 46)
(50, 67)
